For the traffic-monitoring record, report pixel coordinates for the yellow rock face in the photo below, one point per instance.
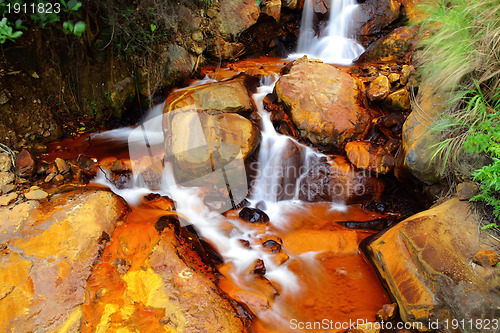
(148, 281)
(365, 155)
(49, 256)
(227, 96)
(426, 263)
(322, 102)
(417, 138)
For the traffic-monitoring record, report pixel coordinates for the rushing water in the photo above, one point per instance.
(335, 43)
(229, 234)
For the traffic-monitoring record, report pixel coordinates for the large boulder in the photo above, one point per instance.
(200, 142)
(426, 263)
(338, 181)
(322, 103)
(391, 47)
(375, 15)
(47, 257)
(419, 141)
(236, 16)
(226, 96)
(152, 278)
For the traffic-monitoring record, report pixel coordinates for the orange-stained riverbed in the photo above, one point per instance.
(336, 284)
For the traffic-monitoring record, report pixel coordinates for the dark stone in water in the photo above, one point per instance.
(245, 243)
(253, 215)
(378, 224)
(244, 203)
(274, 246)
(86, 163)
(123, 180)
(166, 221)
(259, 267)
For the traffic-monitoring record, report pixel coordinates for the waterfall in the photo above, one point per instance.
(335, 43)
(278, 178)
(275, 188)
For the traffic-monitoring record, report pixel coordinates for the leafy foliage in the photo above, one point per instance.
(7, 33)
(133, 30)
(41, 12)
(461, 59)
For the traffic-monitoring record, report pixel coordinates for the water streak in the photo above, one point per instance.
(335, 44)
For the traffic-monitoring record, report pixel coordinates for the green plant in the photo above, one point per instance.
(42, 13)
(460, 58)
(7, 33)
(461, 43)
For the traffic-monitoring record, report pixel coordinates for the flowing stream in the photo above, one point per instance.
(299, 282)
(335, 43)
(284, 281)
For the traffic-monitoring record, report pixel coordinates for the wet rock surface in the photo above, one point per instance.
(395, 46)
(154, 273)
(338, 181)
(203, 141)
(49, 255)
(253, 215)
(376, 15)
(227, 96)
(322, 103)
(426, 263)
(368, 156)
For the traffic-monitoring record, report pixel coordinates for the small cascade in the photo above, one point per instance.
(334, 44)
(278, 178)
(213, 227)
(287, 291)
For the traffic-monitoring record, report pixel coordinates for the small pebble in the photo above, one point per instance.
(36, 194)
(7, 199)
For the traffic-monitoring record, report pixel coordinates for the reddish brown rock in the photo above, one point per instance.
(322, 103)
(154, 272)
(378, 88)
(467, 190)
(398, 100)
(272, 8)
(368, 156)
(392, 47)
(486, 258)
(425, 261)
(227, 96)
(201, 141)
(259, 267)
(236, 16)
(321, 6)
(49, 258)
(387, 312)
(25, 164)
(337, 180)
(377, 14)
(62, 166)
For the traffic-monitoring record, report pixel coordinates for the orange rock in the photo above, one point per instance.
(368, 156)
(425, 262)
(486, 258)
(50, 256)
(226, 96)
(378, 88)
(322, 103)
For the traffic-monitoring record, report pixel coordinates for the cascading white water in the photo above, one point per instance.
(273, 169)
(213, 227)
(335, 44)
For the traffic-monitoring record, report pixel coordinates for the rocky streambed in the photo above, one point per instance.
(77, 257)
